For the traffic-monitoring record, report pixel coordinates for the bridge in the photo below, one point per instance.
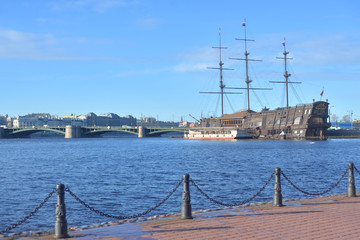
(78, 132)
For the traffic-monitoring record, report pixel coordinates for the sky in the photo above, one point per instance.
(149, 58)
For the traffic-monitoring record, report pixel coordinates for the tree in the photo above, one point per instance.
(334, 118)
(346, 118)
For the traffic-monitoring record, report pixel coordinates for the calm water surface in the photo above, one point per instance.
(126, 176)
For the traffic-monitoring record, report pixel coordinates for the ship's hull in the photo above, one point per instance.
(309, 121)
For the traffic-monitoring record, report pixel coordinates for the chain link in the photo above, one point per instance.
(123, 217)
(30, 214)
(314, 194)
(357, 170)
(235, 204)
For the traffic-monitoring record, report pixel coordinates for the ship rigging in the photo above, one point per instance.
(221, 68)
(286, 74)
(247, 59)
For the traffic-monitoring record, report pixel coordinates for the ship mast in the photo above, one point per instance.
(286, 74)
(248, 81)
(221, 68)
(247, 59)
(221, 76)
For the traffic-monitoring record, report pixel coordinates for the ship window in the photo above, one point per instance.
(319, 111)
(271, 122)
(317, 120)
(297, 120)
(278, 122)
(305, 111)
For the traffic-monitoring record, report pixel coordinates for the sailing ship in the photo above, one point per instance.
(305, 121)
(215, 130)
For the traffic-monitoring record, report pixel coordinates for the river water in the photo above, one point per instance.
(127, 175)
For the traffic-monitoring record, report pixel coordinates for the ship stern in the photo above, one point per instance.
(318, 124)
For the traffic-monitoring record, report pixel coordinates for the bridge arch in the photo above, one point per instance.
(164, 131)
(25, 132)
(98, 132)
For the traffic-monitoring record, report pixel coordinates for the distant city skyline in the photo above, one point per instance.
(149, 58)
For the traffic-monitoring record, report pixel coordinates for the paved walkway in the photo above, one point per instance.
(333, 217)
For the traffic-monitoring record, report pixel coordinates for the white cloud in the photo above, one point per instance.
(141, 72)
(95, 5)
(327, 50)
(189, 67)
(200, 54)
(149, 23)
(179, 68)
(30, 46)
(14, 44)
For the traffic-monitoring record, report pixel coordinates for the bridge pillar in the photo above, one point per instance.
(141, 132)
(72, 131)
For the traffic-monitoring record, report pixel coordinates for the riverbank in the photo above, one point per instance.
(329, 217)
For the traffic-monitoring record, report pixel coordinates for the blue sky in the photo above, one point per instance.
(149, 57)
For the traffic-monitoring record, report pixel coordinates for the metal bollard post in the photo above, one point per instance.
(277, 202)
(60, 223)
(186, 205)
(351, 191)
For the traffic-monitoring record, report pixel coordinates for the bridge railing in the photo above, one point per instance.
(61, 230)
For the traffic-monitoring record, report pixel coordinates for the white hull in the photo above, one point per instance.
(217, 133)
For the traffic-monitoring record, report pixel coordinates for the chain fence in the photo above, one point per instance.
(170, 194)
(314, 194)
(123, 217)
(234, 204)
(30, 214)
(356, 170)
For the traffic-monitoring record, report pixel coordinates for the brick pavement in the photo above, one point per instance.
(322, 218)
(332, 217)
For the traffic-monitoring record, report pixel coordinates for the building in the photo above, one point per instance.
(152, 122)
(90, 119)
(3, 121)
(109, 119)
